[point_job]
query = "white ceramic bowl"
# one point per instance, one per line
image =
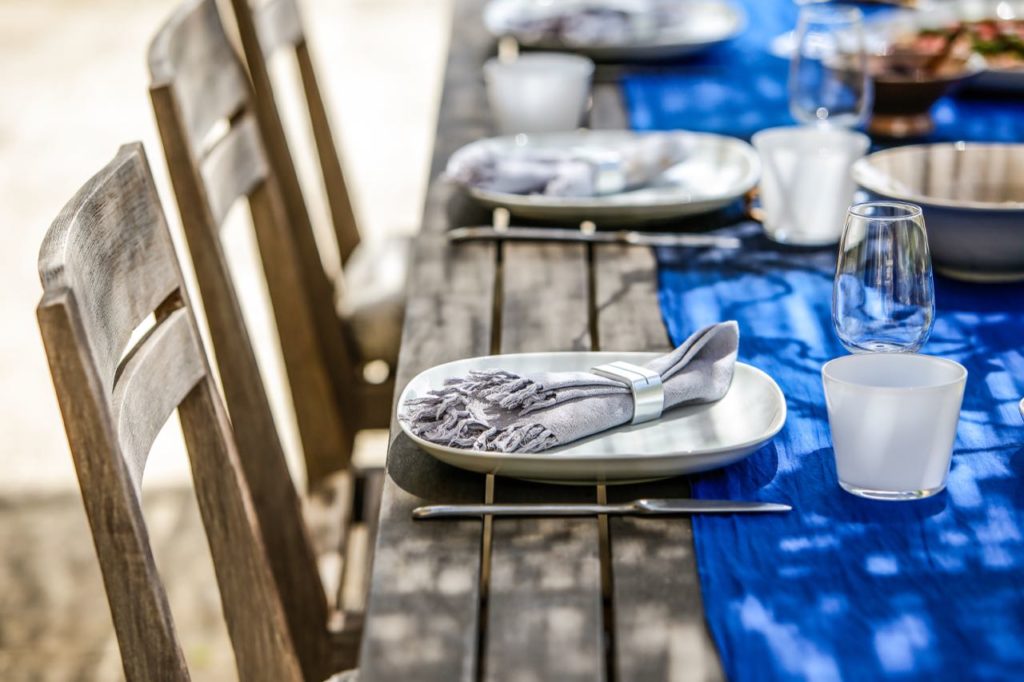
(973, 201)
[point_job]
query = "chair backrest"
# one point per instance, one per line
(267, 28)
(217, 156)
(107, 265)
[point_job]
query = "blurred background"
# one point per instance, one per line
(74, 85)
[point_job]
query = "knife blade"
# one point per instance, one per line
(643, 507)
(559, 234)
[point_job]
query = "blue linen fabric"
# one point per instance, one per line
(740, 88)
(844, 588)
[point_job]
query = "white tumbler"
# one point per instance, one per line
(893, 418)
(538, 92)
(806, 185)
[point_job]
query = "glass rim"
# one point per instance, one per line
(825, 12)
(940, 386)
(910, 211)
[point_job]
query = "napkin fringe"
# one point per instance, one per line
(443, 416)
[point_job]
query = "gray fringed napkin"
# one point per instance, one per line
(585, 171)
(499, 411)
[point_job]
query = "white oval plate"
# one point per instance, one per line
(717, 171)
(707, 23)
(684, 441)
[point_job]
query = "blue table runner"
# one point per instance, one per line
(844, 588)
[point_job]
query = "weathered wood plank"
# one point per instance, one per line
(423, 606)
(544, 601)
(423, 602)
(659, 617)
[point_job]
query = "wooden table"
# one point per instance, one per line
(523, 599)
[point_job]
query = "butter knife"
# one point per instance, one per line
(646, 507)
(557, 234)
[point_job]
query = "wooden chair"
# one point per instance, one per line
(107, 266)
(368, 295)
(216, 158)
(215, 154)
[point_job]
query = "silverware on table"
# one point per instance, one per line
(559, 234)
(646, 507)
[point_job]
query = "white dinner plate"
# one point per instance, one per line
(707, 23)
(685, 440)
(717, 171)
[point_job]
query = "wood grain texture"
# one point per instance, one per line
(660, 633)
(233, 167)
(339, 352)
(152, 381)
(544, 600)
(422, 612)
(278, 25)
(119, 209)
(210, 81)
(326, 438)
(323, 438)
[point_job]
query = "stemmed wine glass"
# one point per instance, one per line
(883, 297)
(829, 83)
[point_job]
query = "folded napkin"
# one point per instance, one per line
(570, 172)
(500, 411)
(590, 22)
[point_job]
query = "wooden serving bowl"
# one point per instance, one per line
(906, 88)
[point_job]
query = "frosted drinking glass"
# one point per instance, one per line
(893, 418)
(538, 92)
(806, 185)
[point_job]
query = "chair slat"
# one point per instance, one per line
(119, 276)
(150, 385)
(211, 83)
(278, 25)
(233, 167)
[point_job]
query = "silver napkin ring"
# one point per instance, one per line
(645, 385)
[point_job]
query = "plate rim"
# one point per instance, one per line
(778, 422)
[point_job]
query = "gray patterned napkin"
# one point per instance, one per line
(499, 411)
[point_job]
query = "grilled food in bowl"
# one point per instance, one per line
(973, 201)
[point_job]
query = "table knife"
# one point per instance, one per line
(647, 507)
(558, 234)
